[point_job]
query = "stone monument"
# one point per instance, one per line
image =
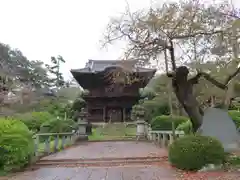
(217, 123)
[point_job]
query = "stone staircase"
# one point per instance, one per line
(118, 130)
(96, 162)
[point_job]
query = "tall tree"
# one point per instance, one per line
(54, 69)
(202, 31)
(19, 80)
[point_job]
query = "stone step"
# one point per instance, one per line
(98, 162)
(103, 159)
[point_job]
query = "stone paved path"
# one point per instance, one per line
(92, 150)
(148, 172)
(110, 149)
(107, 173)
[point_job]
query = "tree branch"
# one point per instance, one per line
(196, 34)
(213, 81)
(230, 77)
(195, 79)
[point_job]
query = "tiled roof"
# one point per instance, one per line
(100, 65)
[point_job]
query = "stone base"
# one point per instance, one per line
(141, 137)
(82, 138)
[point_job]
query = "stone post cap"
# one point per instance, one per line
(81, 122)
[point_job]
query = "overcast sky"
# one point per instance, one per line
(71, 28)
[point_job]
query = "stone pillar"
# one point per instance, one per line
(140, 129)
(82, 128)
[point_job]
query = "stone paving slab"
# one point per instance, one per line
(109, 149)
(107, 173)
(147, 172)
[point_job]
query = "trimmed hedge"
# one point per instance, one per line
(17, 145)
(165, 124)
(194, 152)
(186, 127)
(153, 109)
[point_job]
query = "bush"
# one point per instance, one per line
(235, 115)
(34, 120)
(153, 108)
(186, 127)
(194, 152)
(165, 123)
(58, 126)
(16, 143)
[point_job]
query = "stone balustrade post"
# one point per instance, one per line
(149, 133)
(159, 138)
(171, 139)
(154, 136)
(163, 144)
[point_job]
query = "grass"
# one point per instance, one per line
(112, 132)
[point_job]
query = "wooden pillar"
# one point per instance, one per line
(104, 114)
(124, 114)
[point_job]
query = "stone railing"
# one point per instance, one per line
(47, 143)
(163, 138)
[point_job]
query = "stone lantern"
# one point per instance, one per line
(83, 115)
(140, 113)
(82, 123)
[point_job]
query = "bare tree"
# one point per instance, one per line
(203, 32)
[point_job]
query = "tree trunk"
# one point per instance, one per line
(183, 88)
(192, 109)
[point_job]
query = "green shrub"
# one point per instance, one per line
(153, 108)
(165, 123)
(58, 126)
(186, 127)
(235, 115)
(233, 160)
(194, 152)
(16, 143)
(34, 120)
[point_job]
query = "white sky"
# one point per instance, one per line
(71, 28)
